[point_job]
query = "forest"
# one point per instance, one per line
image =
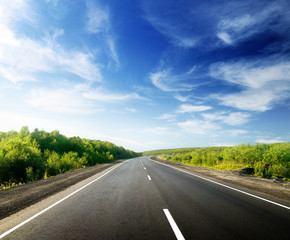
(27, 156)
(264, 160)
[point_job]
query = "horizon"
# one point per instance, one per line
(147, 74)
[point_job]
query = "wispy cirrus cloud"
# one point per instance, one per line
(189, 24)
(157, 130)
(269, 141)
(236, 132)
(196, 126)
(76, 99)
(252, 73)
(266, 82)
(99, 22)
(182, 98)
(173, 32)
(42, 55)
(209, 123)
(251, 18)
(167, 81)
(38, 57)
(258, 100)
(168, 20)
(187, 108)
(60, 101)
(98, 94)
(98, 18)
(168, 117)
(232, 119)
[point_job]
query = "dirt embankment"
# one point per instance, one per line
(270, 187)
(17, 198)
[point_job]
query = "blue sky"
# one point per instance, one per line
(147, 74)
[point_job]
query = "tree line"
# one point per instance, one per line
(265, 160)
(26, 156)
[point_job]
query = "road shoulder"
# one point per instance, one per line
(267, 187)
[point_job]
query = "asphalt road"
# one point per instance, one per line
(142, 199)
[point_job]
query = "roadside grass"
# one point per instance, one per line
(266, 160)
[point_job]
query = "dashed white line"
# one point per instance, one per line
(145, 168)
(173, 225)
(149, 177)
(53, 205)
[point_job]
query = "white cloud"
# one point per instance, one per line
(194, 23)
(82, 65)
(113, 52)
(158, 79)
(60, 101)
(157, 130)
(22, 58)
(76, 98)
(99, 23)
(168, 117)
(98, 18)
(186, 108)
(236, 132)
(256, 100)
(133, 110)
(224, 37)
(198, 126)
(252, 19)
(235, 28)
(168, 82)
(268, 141)
(99, 94)
(175, 33)
(254, 74)
(266, 82)
(232, 119)
(38, 57)
(182, 98)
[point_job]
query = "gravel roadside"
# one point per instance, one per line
(17, 198)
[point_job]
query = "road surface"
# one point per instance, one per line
(143, 199)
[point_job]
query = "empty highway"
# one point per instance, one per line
(143, 199)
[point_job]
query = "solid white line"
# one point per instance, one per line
(149, 177)
(53, 205)
(173, 225)
(226, 186)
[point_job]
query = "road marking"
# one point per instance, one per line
(226, 186)
(149, 177)
(145, 168)
(53, 205)
(173, 225)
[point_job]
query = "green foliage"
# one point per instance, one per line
(26, 156)
(18, 153)
(267, 160)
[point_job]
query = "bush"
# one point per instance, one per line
(28, 156)
(267, 160)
